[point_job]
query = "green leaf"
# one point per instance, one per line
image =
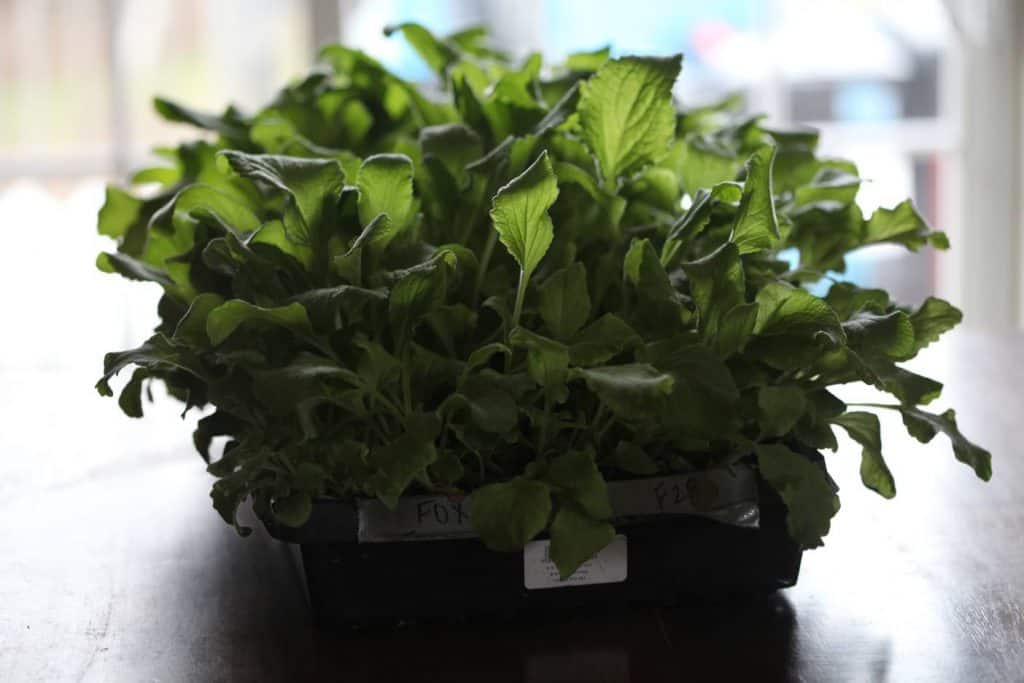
(283, 389)
(613, 204)
(515, 88)
(562, 111)
(333, 307)
(483, 355)
(133, 269)
(574, 476)
(435, 53)
(547, 360)
(131, 396)
(385, 187)
(398, 463)
(756, 227)
(790, 310)
(229, 125)
(824, 234)
(698, 216)
(847, 299)
(902, 224)
(119, 212)
(158, 353)
(294, 509)
(520, 214)
(923, 426)
(588, 62)
(202, 202)
(717, 285)
(223, 320)
(191, 328)
(418, 292)
(642, 268)
(627, 115)
(218, 423)
(564, 301)
(932, 319)
(313, 184)
(863, 428)
(575, 538)
(448, 468)
(602, 340)
(259, 273)
(452, 324)
(814, 429)
(701, 165)
(780, 407)
(697, 366)
(455, 146)
(163, 176)
(910, 388)
(633, 391)
(471, 111)
(474, 40)
(273, 233)
(376, 365)
(656, 310)
(491, 408)
(835, 181)
(735, 329)
(227, 495)
(657, 186)
(633, 459)
(805, 490)
(369, 244)
(891, 334)
(509, 514)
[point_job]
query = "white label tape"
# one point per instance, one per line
(725, 495)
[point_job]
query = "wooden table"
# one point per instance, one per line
(113, 567)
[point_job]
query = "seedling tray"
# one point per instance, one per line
(670, 558)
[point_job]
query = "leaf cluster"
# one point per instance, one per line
(519, 286)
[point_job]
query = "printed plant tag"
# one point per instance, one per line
(608, 566)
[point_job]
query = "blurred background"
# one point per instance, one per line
(925, 95)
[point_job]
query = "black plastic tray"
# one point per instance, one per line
(670, 559)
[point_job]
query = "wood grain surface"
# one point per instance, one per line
(114, 567)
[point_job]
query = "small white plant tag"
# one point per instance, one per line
(608, 566)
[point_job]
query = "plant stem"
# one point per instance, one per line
(516, 313)
(485, 261)
(524, 278)
(406, 382)
(465, 233)
(544, 423)
(890, 406)
(474, 216)
(598, 416)
(483, 466)
(322, 347)
(443, 440)
(386, 402)
(600, 435)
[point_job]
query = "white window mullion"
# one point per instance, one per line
(324, 23)
(118, 91)
(989, 250)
